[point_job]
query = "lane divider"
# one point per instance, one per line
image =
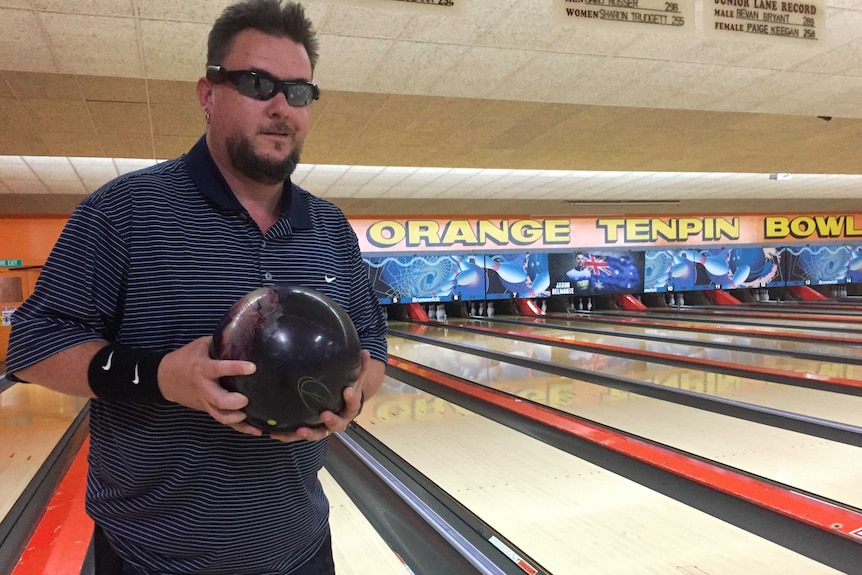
(59, 544)
(802, 507)
(668, 358)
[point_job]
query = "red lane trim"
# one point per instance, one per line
(655, 355)
(772, 315)
(723, 329)
(820, 514)
(59, 544)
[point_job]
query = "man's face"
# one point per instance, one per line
(580, 260)
(260, 139)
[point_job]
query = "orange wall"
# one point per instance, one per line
(29, 239)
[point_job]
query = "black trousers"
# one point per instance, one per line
(107, 562)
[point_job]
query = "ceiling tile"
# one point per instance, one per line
(14, 118)
(170, 92)
(104, 89)
(335, 72)
(59, 116)
(527, 25)
(364, 22)
(16, 168)
(480, 72)
(50, 168)
(29, 85)
(12, 143)
(397, 71)
(19, 29)
(91, 7)
(27, 187)
(73, 36)
(123, 146)
(72, 143)
(66, 187)
(125, 166)
(128, 118)
(168, 147)
(5, 90)
(201, 12)
(459, 30)
(174, 50)
(177, 120)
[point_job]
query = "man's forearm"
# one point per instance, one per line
(65, 371)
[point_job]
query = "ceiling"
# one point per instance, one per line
(513, 111)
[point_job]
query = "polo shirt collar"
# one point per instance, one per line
(205, 174)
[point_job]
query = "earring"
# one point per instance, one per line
(207, 115)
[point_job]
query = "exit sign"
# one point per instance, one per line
(11, 263)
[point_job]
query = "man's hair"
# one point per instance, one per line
(266, 16)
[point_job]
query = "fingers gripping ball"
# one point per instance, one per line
(306, 350)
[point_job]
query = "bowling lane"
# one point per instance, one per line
(835, 324)
(356, 547)
(740, 338)
(569, 515)
(687, 322)
(830, 406)
(824, 467)
(32, 421)
(740, 357)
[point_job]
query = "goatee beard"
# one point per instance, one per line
(257, 168)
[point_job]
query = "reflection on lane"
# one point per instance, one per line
(813, 403)
(32, 421)
(740, 338)
(569, 515)
(813, 464)
(740, 357)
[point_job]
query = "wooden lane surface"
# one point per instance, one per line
(824, 467)
(32, 421)
(356, 546)
(567, 514)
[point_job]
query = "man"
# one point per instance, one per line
(142, 274)
(580, 276)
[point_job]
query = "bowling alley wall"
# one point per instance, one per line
(450, 259)
(439, 260)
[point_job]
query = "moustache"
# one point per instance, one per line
(279, 129)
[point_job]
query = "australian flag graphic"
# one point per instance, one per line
(615, 272)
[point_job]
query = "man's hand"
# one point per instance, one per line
(366, 382)
(189, 376)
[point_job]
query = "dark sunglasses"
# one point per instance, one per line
(262, 86)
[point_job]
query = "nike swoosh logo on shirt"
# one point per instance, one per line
(107, 366)
(329, 279)
(136, 381)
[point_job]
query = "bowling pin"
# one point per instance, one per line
(490, 309)
(482, 307)
(580, 304)
(589, 304)
(680, 300)
(472, 308)
(672, 300)
(544, 306)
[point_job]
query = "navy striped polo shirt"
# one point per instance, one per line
(153, 259)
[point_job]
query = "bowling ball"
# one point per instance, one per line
(306, 350)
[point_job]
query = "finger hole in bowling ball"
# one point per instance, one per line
(306, 350)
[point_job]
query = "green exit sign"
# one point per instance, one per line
(11, 263)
